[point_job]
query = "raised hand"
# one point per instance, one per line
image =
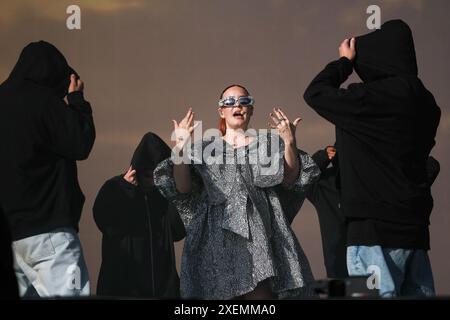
(184, 129)
(286, 129)
(75, 84)
(347, 49)
(130, 176)
(331, 152)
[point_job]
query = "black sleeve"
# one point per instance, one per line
(321, 159)
(70, 128)
(114, 210)
(176, 224)
(335, 104)
(433, 169)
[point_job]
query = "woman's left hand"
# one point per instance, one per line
(286, 129)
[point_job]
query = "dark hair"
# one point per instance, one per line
(222, 124)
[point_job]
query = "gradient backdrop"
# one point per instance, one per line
(145, 62)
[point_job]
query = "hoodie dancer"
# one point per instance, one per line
(139, 228)
(325, 197)
(42, 137)
(385, 130)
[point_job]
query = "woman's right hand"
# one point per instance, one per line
(183, 129)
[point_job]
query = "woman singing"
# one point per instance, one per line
(234, 198)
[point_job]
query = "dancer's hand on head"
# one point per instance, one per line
(75, 84)
(347, 49)
(130, 176)
(331, 152)
(184, 129)
(286, 129)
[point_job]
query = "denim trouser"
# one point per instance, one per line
(399, 272)
(50, 265)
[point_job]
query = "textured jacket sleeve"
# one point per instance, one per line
(292, 197)
(185, 203)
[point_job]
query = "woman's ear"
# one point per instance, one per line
(221, 113)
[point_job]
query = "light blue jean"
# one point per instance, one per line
(394, 272)
(51, 265)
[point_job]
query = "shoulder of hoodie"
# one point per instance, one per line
(49, 100)
(116, 183)
(406, 92)
(35, 101)
(395, 85)
(40, 96)
(43, 99)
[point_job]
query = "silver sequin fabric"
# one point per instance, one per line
(237, 231)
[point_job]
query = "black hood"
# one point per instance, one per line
(43, 64)
(386, 52)
(150, 151)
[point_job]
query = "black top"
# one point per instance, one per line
(324, 195)
(8, 289)
(41, 138)
(385, 128)
(139, 228)
(371, 232)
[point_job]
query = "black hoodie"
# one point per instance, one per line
(8, 289)
(139, 228)
(385, 127)
(42, 137)
(324, 196)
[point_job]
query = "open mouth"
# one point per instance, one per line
(239, 114)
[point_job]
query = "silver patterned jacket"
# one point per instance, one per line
(237, 218)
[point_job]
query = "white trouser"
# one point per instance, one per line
(51, 265)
